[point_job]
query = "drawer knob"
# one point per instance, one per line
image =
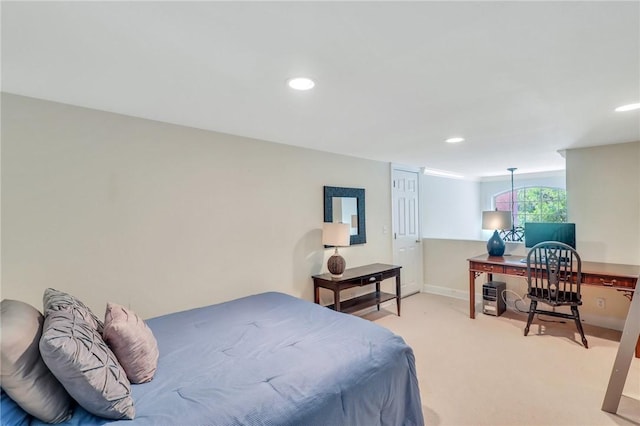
(372, 279)
(608, 283)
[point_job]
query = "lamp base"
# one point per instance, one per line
(495, 245)
(336, 265)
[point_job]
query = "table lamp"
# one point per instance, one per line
(495, 220)
(336, 235)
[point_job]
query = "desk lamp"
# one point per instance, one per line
(336, 235)
(496, 220)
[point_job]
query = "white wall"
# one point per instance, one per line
(603, 187)
(161, 217)
(450, 208)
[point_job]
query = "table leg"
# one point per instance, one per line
(472, 294)
(316, 296)
(378, 294)
(336, 298)
(398, 295)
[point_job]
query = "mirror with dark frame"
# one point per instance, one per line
(346, 205)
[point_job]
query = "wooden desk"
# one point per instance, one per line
(611, 275)
(358, 277)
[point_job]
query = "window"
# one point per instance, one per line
(534, 204)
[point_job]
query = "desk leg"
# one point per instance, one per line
(472, 294)
(378, 294)
(316, 295)
(336, 299)
(398, 295)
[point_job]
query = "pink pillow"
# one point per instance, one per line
(132, 341)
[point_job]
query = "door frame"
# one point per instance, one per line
(419, 170)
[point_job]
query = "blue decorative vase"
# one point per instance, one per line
(495, 245)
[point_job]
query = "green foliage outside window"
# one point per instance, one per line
(534, 204)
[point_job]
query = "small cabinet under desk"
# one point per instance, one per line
(361, 276)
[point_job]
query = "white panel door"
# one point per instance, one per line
(407, 245)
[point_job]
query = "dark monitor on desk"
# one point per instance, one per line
(537, 232)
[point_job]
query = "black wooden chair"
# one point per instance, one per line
(553, 277)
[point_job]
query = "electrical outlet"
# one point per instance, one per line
(600, 302)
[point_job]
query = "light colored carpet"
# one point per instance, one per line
(486, 372)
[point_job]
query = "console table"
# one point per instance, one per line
(358, 277)
(612, 275)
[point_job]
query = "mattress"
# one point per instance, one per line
(272, 359)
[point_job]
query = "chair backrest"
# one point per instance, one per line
(554, 273)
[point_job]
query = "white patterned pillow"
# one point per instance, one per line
(75, 353)
(55, 300)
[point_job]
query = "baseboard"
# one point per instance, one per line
(449, 292)
(602, 321)
(597, 320)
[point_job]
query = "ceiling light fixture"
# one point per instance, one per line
(629, 107)
(301, 83)
(454, 140)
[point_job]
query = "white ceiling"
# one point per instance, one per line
(518, 80)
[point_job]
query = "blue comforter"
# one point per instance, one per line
(272, 359)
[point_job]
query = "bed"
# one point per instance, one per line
(272, 359)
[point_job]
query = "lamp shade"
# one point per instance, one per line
(494, 219)
(336, 234)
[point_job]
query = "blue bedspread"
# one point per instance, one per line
(272, 359)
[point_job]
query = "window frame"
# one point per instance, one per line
(532, 211)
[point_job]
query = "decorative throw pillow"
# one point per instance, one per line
(76, 354)
(55, 300)
(24, 376)
(132, 342)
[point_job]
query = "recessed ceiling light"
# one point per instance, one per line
(301, 83)
(454, 140)
(629, 107)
